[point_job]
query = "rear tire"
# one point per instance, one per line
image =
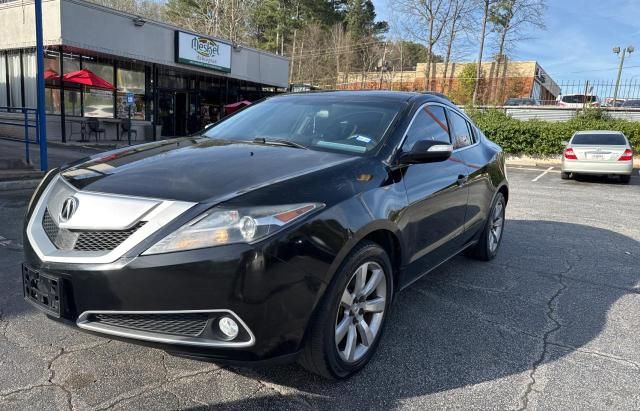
(565, 176)
(491, 237)
(353, 310)
(624, 179)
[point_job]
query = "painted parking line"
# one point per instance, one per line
(542, 174)
(530, 169)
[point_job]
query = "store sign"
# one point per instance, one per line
(203, 52)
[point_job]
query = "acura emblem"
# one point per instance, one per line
(69, 207)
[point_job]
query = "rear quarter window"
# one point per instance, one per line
(599, 139)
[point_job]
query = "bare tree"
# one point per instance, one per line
(425, 20)
(458, 22)
(508, 19)
(486, 5)
(221, 18)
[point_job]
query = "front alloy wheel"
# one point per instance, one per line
(350, 319)
(360, 312)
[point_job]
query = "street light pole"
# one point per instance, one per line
(616, 50)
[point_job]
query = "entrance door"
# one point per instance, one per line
(166, 104)
(181, 113)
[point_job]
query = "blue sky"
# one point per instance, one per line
(578, 40)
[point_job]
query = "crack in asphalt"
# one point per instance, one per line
(274, 387)
(551, 315)
(156, 386)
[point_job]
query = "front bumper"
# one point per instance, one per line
(271, 299)
(597, 167)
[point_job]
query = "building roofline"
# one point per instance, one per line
(166, 25)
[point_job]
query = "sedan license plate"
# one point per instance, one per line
(42, 290)
(595, 156)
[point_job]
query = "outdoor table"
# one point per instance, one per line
(113, 121)
(83, 127)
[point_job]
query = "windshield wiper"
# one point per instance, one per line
(278, 142)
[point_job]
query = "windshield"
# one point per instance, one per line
(316, 122)
(599, 139)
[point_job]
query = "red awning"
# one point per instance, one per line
(51, 75)
(88, 78)
(230, 108)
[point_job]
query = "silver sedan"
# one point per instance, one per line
(598, 152)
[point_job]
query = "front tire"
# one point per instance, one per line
(350, 320)
(491, 237)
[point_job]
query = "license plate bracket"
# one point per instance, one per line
(42, 290)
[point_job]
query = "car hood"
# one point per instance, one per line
(195, 169)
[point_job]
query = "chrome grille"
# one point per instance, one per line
(103, 240)
(188, 324)
(85, 240)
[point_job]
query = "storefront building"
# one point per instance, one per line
(178, 81)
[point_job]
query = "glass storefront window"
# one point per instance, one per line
(15, 86)
(29, 68)
(131, 81)
(72, 106)
(52, 84)
(98, 102)
(3, 81)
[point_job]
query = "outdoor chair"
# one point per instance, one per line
(125, 125)
(94, 128)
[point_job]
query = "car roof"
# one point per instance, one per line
(386, 95)
(598, 132)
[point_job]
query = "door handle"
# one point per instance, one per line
(462, 179)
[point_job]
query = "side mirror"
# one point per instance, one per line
(427, 151)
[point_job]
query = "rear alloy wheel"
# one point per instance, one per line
(565, 176)
(351, 317)
(491, 237)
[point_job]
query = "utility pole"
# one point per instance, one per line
(41, 119)
(616, 50)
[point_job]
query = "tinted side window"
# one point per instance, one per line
(429, 124)
(461, 134)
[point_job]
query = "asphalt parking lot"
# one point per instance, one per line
(551, 323)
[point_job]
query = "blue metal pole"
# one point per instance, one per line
(26, 134)
(41, 120)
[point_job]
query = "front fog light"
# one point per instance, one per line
(228, 327)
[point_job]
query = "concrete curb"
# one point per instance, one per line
(19, 184)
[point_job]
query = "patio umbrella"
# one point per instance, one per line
(51, 75)
(88, 78)
(233, 107)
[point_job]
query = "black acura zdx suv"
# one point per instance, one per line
(281, 232)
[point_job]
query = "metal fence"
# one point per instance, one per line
(601, 92)
(24, 118)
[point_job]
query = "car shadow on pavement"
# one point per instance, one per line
(596, 179)
(548, 294)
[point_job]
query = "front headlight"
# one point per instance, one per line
(221, 225)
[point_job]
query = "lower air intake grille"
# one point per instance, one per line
(103, 240)
(50, 227)
(188, 324)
